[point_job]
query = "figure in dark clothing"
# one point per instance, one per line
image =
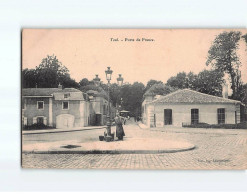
(119, 127)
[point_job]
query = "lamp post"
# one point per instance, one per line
(120, 80)
(108, 74)
(96, 80)
(120, 83)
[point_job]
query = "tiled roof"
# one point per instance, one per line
(71, 96)
(190, 96)
(45, 91)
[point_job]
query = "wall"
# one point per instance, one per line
(181, 113)
(31, 109)
(74, 109)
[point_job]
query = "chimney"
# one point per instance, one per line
(60, 86)
(225, 91)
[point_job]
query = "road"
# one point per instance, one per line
(215, 149)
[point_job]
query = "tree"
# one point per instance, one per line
(132, 97)
(179, 81)
(151, 82)
(29, 78)
(84, 82)
(223, 57)
(209, 82)
(245, 38)
(48, 74)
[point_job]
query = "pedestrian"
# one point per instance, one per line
(119, 127)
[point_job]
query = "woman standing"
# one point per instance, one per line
(119, 127)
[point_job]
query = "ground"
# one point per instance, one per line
(215, 149)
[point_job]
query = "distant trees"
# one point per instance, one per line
(151, 82)
(209, 82)
(206, 81)
(132, 96)
(179, 81)
(84, 82)
(48, 74)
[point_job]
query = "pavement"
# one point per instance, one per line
(220, 149)
(134, 143)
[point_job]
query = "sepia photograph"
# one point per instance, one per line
(140, 99)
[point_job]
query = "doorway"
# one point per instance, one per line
(168, 116)
(40, 120)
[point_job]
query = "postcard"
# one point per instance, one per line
(134, 99)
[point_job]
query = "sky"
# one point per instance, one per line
(158, 55)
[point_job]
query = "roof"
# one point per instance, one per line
(97, 93)
(190, 96)
(71, 96)
(45, 91)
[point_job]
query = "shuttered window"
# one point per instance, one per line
(221, 115)
(194, 116)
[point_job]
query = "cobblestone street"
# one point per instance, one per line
(215, 149)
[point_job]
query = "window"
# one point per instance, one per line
(221, 115)
(194, 116)
(66, 95)
(65, 105)
(104, 109)
(40, 105)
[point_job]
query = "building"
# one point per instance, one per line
(189, 107)
(99, 104)
(55, 107)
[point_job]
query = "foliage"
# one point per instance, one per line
(29, 78)
(48, 74)
(179, 81)
(242, 125)
(209, 82)
(132, 98)
(36, 126)
(206, 81)
(151, 82)
(84, 82)
(223, 57)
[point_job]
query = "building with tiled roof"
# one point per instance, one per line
(55, 107)
(186, 106)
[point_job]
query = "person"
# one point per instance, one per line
(119, 127)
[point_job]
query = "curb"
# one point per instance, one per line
(111, 151)
(65, 131)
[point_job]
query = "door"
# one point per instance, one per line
(65, 121)
(40, 120)
(168, 116)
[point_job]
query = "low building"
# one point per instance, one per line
(55, 107)
(99, 104)
(189, 107)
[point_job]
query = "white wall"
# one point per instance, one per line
(181, 113)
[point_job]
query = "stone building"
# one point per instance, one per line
(189, 107)
(55, 107)
(99, 104)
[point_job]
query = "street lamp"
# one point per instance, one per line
(96, 80)
(108, 74)
(120, 83)
(120, 80)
